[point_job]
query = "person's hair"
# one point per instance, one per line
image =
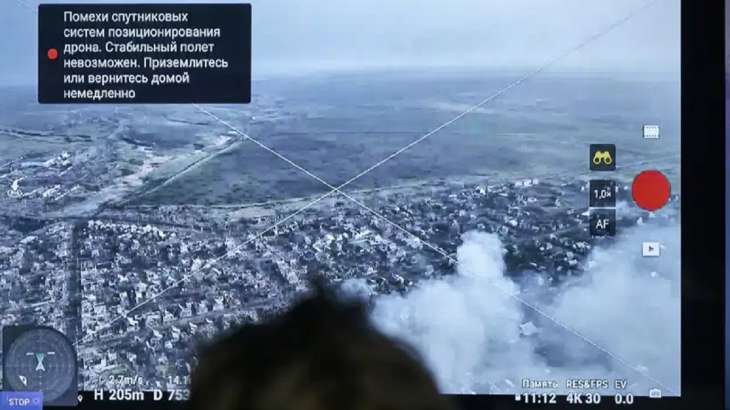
(323, 354)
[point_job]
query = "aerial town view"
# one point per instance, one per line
(462, 221)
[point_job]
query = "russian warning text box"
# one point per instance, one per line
(144, 53)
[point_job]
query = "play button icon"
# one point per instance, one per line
(650, 249)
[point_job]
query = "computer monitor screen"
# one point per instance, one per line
(499, 181)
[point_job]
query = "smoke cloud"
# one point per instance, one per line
(476, 335)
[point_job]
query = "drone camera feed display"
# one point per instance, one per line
(497, 181)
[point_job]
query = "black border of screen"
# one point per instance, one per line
(703, 230)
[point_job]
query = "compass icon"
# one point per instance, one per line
(40, 359)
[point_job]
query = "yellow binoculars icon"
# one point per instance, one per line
(602, 157)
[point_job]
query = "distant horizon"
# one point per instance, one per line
(345, 70)
(329, 35)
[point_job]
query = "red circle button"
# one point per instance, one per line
(651, 190)
(52, 54)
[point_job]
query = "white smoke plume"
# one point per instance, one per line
(467, 327)
(630, 305)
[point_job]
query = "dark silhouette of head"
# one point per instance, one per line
(323, 354)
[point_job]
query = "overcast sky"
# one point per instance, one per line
(504, 34)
